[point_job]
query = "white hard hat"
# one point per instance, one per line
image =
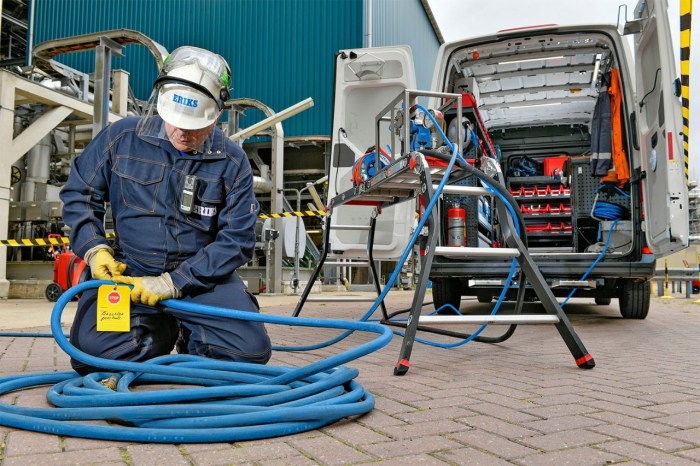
(192, 88)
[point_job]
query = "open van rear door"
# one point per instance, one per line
(664, 186)
(366, 81)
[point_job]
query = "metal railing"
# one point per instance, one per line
(672, 280)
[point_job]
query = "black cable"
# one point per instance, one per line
(520, 297)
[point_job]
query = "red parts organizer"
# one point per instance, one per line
(545, 204)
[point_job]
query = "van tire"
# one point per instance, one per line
(603, 301)
(484, 298)
(446, 291)
(634, 298)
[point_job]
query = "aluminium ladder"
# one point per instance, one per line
(400, 183)
(410, 177)
(554, 314)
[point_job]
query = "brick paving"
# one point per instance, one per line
(521, 402)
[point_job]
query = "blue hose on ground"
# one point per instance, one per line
(231, 401)
(228, 401)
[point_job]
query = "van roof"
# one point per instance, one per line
(544, 76)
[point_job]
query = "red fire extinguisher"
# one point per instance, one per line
(456, 226)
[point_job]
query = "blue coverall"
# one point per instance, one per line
(142, 178)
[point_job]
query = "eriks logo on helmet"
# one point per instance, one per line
(178, 99)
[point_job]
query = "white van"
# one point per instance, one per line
(589, 143)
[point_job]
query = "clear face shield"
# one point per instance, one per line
(187, 100)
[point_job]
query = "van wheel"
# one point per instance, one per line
(53, 292)
(634, 298)
(484, 298)
(603, 301)
(446, 291)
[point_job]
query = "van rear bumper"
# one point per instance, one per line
(552, 270)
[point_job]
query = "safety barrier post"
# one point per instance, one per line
(666, 295)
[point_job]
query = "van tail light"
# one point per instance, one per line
(646, 250)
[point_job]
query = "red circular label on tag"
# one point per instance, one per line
(114, 297)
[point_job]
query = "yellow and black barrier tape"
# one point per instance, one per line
(53, 241)
(686, 7)
(63, 240)
(303, 213)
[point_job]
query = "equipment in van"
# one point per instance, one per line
(528, 92)
(525, 166)
(560, 104)
(411, 175)
(608, 157)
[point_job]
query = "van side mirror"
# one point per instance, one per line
(677, 87)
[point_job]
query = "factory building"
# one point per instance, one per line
(281, 52)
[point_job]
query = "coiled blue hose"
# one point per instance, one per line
(608, 211)
(231, 401)
(223, 402)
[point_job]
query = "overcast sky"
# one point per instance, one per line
(464, 18)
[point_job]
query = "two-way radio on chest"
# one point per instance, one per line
(187, 195)
(189, 189)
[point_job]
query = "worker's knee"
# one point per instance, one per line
(259, 354)
(150, 336)
(249, 343)
(224, 338)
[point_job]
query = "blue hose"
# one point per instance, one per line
(230, 402)
(592, 266)
(414, 237)
(222, 402)
(608, 211)
(604, 211)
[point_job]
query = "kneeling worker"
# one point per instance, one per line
(184, 214)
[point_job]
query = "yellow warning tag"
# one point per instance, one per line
(113, 308)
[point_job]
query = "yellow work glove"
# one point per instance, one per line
(103, 265)
(150, 290)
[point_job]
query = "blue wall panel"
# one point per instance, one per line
(280, 51)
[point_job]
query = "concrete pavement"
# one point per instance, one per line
(521, 402)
